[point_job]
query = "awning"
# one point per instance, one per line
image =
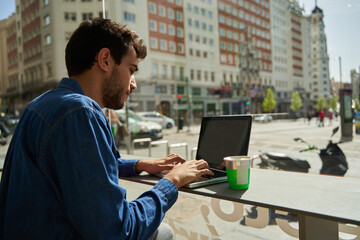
(226, 89)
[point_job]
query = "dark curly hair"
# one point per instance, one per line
(93, 35)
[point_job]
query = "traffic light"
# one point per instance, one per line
(248, 102)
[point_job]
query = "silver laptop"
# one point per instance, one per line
(219, 137)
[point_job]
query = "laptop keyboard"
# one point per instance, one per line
(217, 173)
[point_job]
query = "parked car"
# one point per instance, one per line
(164, 121)
(263, 118)
(140, 128)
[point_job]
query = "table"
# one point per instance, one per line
(320, 201)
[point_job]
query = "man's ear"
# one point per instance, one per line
(103, 59)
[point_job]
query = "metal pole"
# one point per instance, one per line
(103, 8)
(340, 70)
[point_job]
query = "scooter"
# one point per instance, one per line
(334, 163)
(332, 157)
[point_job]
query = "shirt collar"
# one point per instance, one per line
(71, 84)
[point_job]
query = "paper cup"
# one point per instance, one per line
(238, 171)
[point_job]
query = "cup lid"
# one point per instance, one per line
(237, 158)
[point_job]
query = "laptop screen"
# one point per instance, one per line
(223, 136)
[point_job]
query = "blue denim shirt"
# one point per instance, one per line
(60, 177)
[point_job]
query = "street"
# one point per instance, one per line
(276, 136)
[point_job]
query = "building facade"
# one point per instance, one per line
(205, 57)
(319, 57)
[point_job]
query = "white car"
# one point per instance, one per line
(263, 118)
(140, 128)
(164, 121)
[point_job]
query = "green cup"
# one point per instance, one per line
(238, 171)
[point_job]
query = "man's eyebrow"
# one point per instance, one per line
(135, 66)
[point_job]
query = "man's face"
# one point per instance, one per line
(117, 88)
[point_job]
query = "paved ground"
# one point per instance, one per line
(192, 217)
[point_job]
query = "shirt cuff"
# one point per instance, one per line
(127, 167)
(169, 189)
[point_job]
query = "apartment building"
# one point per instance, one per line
(279, 39)
(319, 57)
(217, 55)
(355, 83)
(8, 56)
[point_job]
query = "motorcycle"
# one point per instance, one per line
(332, 157)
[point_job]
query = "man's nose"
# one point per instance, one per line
(133, 85)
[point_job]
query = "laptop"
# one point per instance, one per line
(221, 136)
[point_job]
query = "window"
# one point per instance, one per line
(180, 32)
(153, 25)
(46, 2)
(192, 74)
(203, 12)
(162, 11)
(171, 13)
(172, 46)
(86, 16)
(196, 91)
(130, 17)
(47, 20)
(47, 39)
(196, 10)
(191, 51)
(181, 48)
(203, 26)
(153, 43)
(70, 16)
(154, 69)
(163, 71)
(171, 30)
(173, 72)
(152, 8)
(130, 1)
(163, 45)
(162, 28)
(196, 24)
(179, 16)
(198, 75)
(211, 28)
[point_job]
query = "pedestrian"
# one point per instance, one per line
(309, 116)
(60, 176)
(321, 118)
(330, 116)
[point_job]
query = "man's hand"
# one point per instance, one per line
(186, 172)
(158, 165)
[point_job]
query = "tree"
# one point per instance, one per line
(321, 104)
(356, 104)
(296, 102)
(333, 103)
(269, 102)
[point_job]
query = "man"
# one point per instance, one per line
(60, 177)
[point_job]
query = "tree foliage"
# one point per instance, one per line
(296, 102)
(269, 102)
(321, 104)
(356, 104)
(333, 103)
